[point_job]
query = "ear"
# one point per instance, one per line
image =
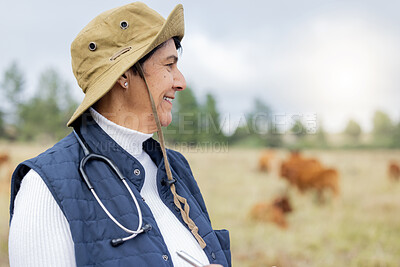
(123, 81)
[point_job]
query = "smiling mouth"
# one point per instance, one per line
(168, 99)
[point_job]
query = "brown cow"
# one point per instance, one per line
(4, 158)
(394, 171)
(302, 173)
(5, 176)
(272, 211)
(326, 179)
(297, 166)
(265, 160)
(309, 174)
(283, 203)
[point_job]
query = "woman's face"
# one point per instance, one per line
(163, 78)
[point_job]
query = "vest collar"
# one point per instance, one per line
(101, 143)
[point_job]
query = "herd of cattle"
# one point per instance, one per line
(304, 174)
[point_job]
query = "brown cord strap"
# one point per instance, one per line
(178, 200)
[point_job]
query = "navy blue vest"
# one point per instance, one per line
(91, 228)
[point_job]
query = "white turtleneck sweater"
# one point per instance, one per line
(40, 233)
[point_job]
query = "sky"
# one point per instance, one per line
(338, 59)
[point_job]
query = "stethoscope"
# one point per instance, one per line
(90, 156)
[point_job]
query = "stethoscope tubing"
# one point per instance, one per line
(88, 156)
(129, 231)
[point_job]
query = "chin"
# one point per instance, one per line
(165, 119)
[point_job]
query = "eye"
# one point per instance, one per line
(170, 66)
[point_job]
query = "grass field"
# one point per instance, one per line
(359, 228)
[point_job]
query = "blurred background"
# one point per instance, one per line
(291, 118)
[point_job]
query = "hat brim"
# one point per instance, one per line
(173, 26)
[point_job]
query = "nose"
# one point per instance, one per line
(179, 81)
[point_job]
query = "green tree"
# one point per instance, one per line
(13, 84)
(263, 124)
(298, 129)
(396, 136)
(353, 131)
(210, 121)
(2, 126)
(260, 117)
(47, 113)
(242, 133)
(383, 129)
(185, 121)
(258, 128)
(12, 89)
(382, 123)
(252, 125)
(320, 137)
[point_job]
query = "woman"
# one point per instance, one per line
(125, 61)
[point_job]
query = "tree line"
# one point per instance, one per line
(43, 116)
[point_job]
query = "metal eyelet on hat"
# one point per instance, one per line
(92, 46)
(124, 25)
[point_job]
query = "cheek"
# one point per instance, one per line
(160, 82)
(163, 85)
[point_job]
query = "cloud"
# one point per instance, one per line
(338, 66)
(220, 62)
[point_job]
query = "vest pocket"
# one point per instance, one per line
(223, 238)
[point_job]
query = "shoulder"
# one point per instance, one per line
(66, 150)
(180, 164)
(57, 167)
(177, 157)
(64, 155)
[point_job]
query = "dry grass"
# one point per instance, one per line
(360, 228)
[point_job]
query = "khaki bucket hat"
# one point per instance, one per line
(113, 42)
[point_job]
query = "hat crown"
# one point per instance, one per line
(109, 38)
